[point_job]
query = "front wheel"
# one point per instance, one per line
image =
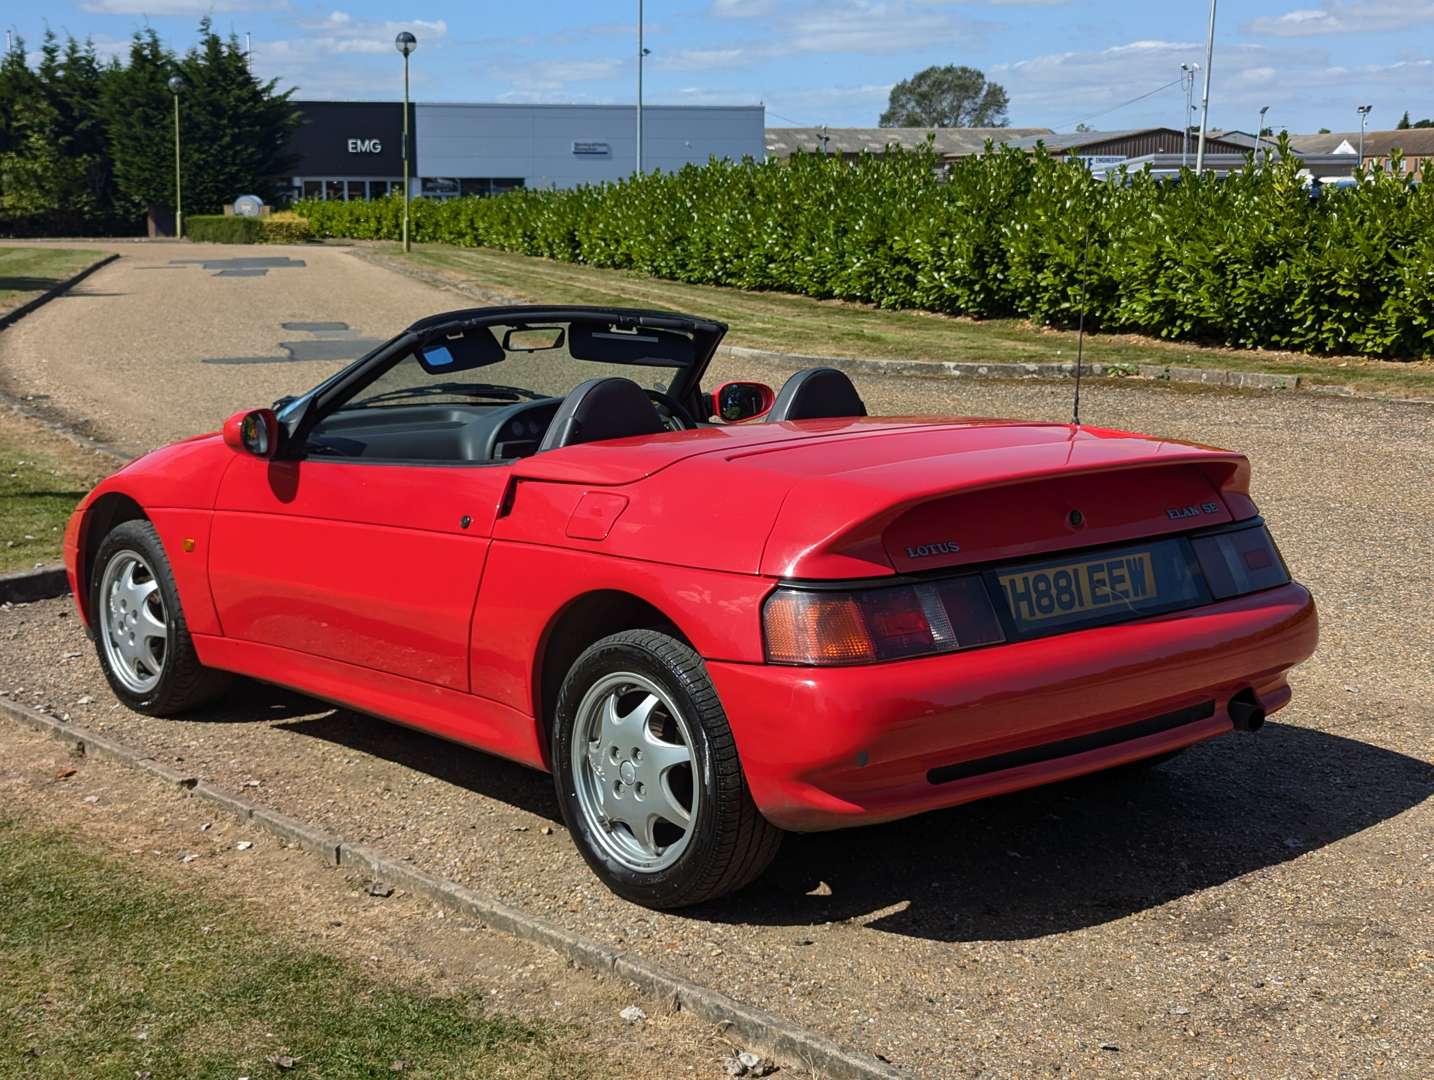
(648, 776)
(140, 634)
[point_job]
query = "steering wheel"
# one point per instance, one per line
(675, 416)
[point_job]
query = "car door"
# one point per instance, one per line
(373, 564)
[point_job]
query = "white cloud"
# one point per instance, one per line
(742, 9)
(178, 7)
(1360, 16)
(1300, 83)
(703, 59)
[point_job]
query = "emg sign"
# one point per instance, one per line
(365, 146)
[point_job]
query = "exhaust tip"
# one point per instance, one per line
(1246, 712)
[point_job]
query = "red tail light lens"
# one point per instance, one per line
(1244, 561)
(891, 623)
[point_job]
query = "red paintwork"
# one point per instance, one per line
(428, 593)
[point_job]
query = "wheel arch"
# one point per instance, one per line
(580, 622)
(101, 516)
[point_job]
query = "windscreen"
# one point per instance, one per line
(520, 361)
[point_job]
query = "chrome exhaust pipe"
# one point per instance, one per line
(1246, 712)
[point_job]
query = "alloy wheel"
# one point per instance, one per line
(635, 771)
(132, 625)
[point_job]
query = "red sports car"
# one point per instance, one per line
(713, 617)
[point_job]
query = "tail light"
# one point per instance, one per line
(889, 623)
(1244, 561)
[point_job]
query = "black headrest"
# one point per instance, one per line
(606, 408)
(816, 394)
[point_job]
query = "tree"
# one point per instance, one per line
(54, 167)
(139, 123)
(949, 96)
(1403, 124)
(234, 130)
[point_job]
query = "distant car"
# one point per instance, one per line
(713, 617)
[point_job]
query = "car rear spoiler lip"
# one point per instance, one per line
(854, 548)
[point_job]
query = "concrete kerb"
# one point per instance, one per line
(26, 586)
(53, 291)
(754, 1027)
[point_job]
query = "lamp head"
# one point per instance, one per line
(405, 42)
(176, 84)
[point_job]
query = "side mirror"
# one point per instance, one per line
(734, 402)
(254, 431)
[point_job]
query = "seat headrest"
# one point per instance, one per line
(816, 394)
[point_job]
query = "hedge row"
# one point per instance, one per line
(1252, 260)
(281, 228)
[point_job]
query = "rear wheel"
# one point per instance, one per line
(648, 776)
(140, 634)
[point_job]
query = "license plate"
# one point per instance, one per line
(1073, 591)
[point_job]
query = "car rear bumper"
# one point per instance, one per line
(828, 747)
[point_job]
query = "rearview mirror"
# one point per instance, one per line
(734, 402)
(528, 339)
(254, 431)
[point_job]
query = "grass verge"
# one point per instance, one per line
(798, 324)
(42, 477)
(25, 272)
(112, 976)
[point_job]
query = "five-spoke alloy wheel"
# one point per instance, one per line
(648, 776)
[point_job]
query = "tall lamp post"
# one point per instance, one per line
(1363, 120)
(641, 53)
(1205, 96)
(1260, 131)
(1187, 77)
(405, 43)
(176, 84)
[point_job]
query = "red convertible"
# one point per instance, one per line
(713, 617)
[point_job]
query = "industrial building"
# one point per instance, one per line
(354, 150)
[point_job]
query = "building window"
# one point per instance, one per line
(447, 187)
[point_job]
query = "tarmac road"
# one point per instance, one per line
(1262, 906)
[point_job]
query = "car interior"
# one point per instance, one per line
(430, 405)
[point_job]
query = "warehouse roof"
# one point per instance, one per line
(1415, 141)
(784, 142)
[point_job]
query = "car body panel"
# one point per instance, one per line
(365, 563)
(826, 747)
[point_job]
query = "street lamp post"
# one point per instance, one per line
(1363, 120)
(176, 84)
(1187, 77)
(1205, 96)
(1260, 131)
(405, 43)
(641, 53)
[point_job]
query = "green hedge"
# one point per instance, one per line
(1250, 261)
(284, 227)
(222, 229)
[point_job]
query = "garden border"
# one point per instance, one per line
(16, 314)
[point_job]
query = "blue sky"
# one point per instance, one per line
(828, 61)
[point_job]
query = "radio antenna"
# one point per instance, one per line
(1080, 328)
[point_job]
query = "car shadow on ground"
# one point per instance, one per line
(1037, 862)
(1091, 850)
(484, 774)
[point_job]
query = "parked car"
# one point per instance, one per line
(713, 616)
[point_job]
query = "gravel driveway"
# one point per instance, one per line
(1262, 906)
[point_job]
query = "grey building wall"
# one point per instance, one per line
(538, 143)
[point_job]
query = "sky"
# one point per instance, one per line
(1063, 62)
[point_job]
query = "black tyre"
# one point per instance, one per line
(648, 777)
(140, 633)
